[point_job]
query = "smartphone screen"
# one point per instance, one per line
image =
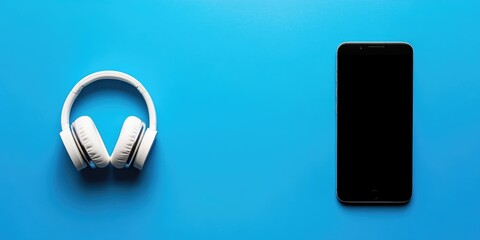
(374, 122)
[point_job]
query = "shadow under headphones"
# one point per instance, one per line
(84, 143)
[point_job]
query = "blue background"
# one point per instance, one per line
(245, 97)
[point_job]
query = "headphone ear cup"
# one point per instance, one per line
(128, 142)
(90, 141)
(73, 149)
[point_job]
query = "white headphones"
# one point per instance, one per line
(85, 145)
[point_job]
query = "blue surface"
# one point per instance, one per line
(245, 95)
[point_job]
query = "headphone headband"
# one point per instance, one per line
(113, 75)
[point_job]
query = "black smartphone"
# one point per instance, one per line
(374, 122)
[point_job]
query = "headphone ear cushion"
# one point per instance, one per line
(90, 140)
(128, 141)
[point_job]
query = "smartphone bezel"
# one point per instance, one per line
(366, 48)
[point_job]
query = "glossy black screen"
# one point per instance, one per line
(374, 122)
